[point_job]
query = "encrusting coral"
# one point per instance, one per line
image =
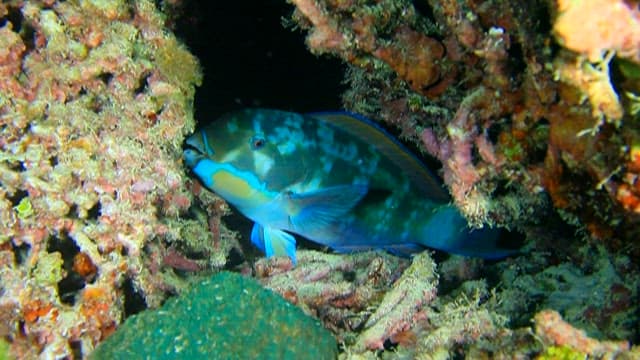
(95, 98)
(227, 316)
(531, 108)
(479, 86)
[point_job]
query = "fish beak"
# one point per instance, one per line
(200, 142)
(192, 157)
(197, 148)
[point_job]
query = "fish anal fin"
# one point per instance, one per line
(274, 242)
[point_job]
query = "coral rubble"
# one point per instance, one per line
(95, 98)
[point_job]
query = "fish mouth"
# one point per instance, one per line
(192, 156)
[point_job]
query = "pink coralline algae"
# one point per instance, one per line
(531, 109)
(95, 98)
(514, 121)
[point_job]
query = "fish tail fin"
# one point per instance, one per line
(447, 230)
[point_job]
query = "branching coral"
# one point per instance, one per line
(95, 98)
(553, 330)
(372, 300)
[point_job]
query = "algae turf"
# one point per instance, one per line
(225, 317)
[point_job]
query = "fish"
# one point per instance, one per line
(334, 178)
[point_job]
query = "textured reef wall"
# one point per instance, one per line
(95, 98)
(520, 101)
(531, 107)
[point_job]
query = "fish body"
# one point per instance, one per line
(334, 178)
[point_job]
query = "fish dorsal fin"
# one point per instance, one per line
(366, 130)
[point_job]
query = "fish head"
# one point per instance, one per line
(255, 146)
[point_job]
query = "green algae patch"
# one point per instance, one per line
(227, 316)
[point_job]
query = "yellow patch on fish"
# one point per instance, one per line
(236, 187)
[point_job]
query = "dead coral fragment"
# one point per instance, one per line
(554, 331)
(339, 289)
(401, 307)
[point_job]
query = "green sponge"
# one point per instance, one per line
(225, 317)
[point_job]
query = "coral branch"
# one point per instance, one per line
(553, 330)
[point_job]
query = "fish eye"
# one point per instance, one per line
(257, 142)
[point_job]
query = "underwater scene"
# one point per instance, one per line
(320, 179)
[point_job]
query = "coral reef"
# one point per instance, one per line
(337, 289)
(226, 316)
(95, 98)
(480, 86)
(531, 108)
(537, 283)
(370, 301)
(553, 330)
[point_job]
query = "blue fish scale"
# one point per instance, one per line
(334, 178)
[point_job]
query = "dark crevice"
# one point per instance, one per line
(539, 10)
(16, 197)
(475, 156)
(24, 29)
(105, 78)
(28, 35)
(539, 141)
(424, 9)
(15, 17)
(143, 85)
(516, 62)
(133, 300)
(495, 130)
(69, 286)
(21, 252)
(94, 212)
(273, 66)
(349, 276)
(76, 346)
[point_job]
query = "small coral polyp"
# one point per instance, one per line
(95, 97)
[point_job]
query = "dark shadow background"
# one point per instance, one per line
(250, 59)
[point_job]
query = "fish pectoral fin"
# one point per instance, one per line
(274, 242)
(322, 207)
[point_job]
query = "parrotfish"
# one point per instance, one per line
(336, 179)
